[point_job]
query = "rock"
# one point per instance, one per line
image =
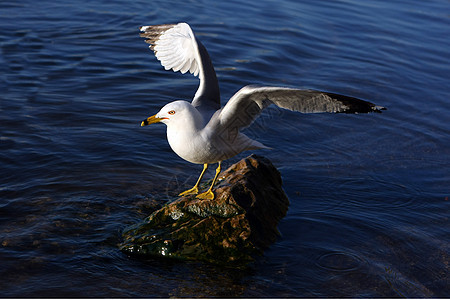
(240, 222)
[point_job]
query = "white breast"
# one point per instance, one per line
(191, 146)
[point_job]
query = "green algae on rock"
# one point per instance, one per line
(234, 227)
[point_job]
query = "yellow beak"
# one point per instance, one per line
(151, 120)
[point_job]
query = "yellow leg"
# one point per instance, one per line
(209, 194)
(194, 190)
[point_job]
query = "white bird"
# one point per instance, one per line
(203, 132)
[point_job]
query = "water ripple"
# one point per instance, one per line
(339, 261)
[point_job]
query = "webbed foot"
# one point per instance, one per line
(208, 195)
(193, 191)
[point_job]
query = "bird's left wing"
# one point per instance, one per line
(246, 105)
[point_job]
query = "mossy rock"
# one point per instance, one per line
(234, 227)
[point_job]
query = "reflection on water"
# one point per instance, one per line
(369, 193)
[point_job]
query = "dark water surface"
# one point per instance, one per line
(369, 212)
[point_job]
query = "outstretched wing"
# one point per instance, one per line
(246, 105)
(176, 47)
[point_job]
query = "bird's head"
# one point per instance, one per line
(179, 112)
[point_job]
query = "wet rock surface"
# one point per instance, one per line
(238, 224)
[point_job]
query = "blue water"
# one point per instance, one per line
(369, 207)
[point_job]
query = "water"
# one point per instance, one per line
(369, 193)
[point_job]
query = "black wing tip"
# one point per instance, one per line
(363, 108)
(152, 33)
(155, 29)
(355, 105)
(378, 109)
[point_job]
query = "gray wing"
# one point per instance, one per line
(246, 105)
(176, 47)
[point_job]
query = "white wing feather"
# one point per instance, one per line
(174, 46)
(177, 49)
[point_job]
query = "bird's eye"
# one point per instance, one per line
(172, 112)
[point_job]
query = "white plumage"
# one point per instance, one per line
(177, 49)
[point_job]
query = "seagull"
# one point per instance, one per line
(203, 132)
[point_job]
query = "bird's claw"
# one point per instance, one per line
(192, 191)
(208, 195)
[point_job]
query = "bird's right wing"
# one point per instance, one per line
(176, 47)
(246, 105)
